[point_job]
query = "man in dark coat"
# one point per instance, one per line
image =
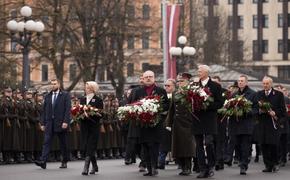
(205, 127)
(269, 123)
(241, 129)
(150, 136)
(54, 121)
(220, 138)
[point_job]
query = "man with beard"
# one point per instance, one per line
(54, 121)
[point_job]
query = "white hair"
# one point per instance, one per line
(205, 67)
(93, 86)
(268, 78)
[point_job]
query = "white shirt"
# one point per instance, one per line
(54, 96)
(204, 82)
(89, 97)
(269, 91)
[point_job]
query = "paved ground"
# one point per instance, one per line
(115, 169)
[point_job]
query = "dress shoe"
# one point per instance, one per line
(128, 162)
(41, 164)
(229, 163)
(243, 171)
(219, 167)
(267, 169)
(147, 174)
(154, 172)
(63, 165)
(161, 167)
(275, 169)
(142, 169)
(203, 174)
(282, 164)
(210, 172)
(185, 173)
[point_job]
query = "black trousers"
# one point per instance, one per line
(220, 143)
(89, 137)
(151, 150)
(185, 163)
(134, 148)
(283, 148)
(243, 144)
(270, 155)
(205, 156)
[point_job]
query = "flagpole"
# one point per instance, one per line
(165, 39)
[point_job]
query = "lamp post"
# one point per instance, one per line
(21, 32)
(184, 52)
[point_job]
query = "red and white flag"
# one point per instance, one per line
(173, 13)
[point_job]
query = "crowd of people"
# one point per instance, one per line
(197, 140)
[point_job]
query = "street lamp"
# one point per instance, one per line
(21, 32)
(184, 52)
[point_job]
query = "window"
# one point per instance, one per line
(215, 2)
(240, 50)
(44, 72)
(256, 1)
(145, 66)
(145, 40)
(146, 11)
(280, 20)
(265, 21)
(214, 24)
(13, 46)
(72, 72)
(264, 46)
(239, 1)
(131, 42)
(130, 69)
(131, 12)
(284, 72)
(262, 70)
(240, 22)
(281, 47)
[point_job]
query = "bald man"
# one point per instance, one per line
(150, 137)
(269, 123)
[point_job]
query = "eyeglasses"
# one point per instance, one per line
(167, 85)
(147, 77)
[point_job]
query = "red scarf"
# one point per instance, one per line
(149, 89)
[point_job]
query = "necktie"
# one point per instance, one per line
(267, 92)
(54, 97)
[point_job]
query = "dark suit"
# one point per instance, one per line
(150, 137)
(52, 118)
(268, 135)
(241, 131)
(205, 128)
